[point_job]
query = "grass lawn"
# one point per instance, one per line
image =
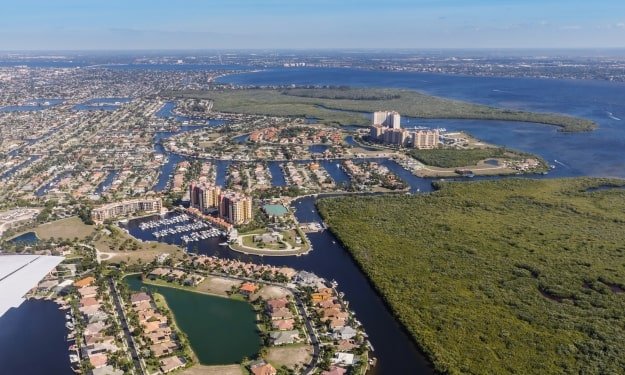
(491, 277)
(65, 228)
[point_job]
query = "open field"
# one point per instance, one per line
(290, 355)
(328, 105)
(145, 252)
(217, 285)
(508, 276)
(214, 370)
(69, 228)
(270, 292)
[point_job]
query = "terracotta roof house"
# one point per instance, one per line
(89, 301)
(98, 360)
(282, 313)
(87, 281)
(264, 369)
(248, 288)
(139, 297)
(283, 325)
(278, 303)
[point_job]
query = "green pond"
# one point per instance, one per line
(220, 330)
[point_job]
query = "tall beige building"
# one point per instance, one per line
(236, 208)
(204, 196)
(389, 119)
(425, 139)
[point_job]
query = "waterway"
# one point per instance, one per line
(102, 104)
(32, 105)
(33, 340)
(598, 153)
(220, 330)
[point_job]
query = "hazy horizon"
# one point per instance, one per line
(38, 25)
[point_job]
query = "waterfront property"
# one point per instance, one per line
(125, 208)
(220, 330)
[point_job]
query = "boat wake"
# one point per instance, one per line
(561, 163)
(611, 115)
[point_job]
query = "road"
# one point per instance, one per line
(129, 341)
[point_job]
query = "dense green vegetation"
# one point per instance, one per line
(329, 105)
(453, 158)
(511, 276)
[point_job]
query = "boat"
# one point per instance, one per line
(223, 244)
(73, 358)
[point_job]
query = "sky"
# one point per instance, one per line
(302, 24)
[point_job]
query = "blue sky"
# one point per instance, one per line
(221, 24)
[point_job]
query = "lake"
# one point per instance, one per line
(220, 330)
(28, 238)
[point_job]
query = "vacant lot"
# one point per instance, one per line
(69, 228)
(289, 356)
(214, 370)
(217, 285)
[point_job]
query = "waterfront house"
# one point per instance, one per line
(341, 358)
(137, 298)
(163, 348)
(345, 333)
(170, 364)
(346, 345)
(278, 303)
(98, 360)
(89, 301)
(284, 337)
(248, 288)
(282, 313)
(260, 367)
(283, 325)
(159, 273)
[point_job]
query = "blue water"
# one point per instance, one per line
(333, 167)
(166, 111)
(28, 238)
(318, 149)
(107, 182)
(102, 104)
(13, 170)
(28, 108)
(597, 153)
(32, 340)
(277, 174)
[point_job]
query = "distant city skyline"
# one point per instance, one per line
(271, 24)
